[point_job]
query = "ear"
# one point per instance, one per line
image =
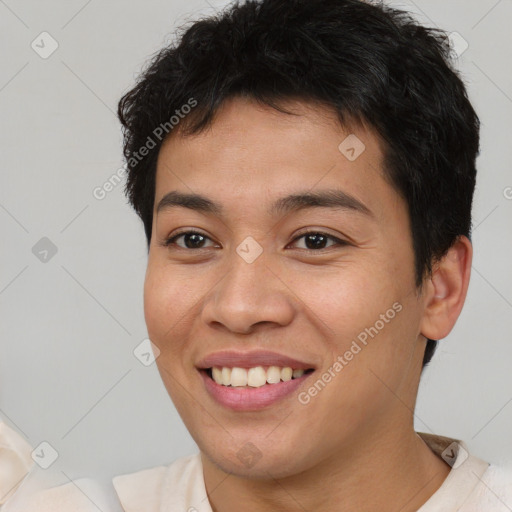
(445, 291)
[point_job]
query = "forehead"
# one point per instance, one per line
(254, 151)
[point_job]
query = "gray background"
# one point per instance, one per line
(69, 326)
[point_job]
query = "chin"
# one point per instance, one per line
(258, 460)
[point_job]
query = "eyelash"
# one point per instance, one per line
(171, 240)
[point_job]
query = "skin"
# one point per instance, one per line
(353, 446)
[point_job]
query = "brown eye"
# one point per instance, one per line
(191, 240)
(316, 240)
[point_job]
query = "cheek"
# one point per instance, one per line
(171, 300)
(163, 311)
(368, 317)
(163, 302)
(154, 302)
(349, 300)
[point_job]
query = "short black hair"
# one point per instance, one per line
(367, 62)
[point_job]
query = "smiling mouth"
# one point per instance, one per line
(254, 377)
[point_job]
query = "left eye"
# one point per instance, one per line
(313, 240)
(316, 240)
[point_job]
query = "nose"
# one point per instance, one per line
(247, 295)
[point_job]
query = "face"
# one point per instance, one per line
(323, 284)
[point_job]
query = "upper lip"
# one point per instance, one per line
(250, 359)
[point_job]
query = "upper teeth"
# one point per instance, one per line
(254, 377)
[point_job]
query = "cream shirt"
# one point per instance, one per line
(471, 486)
(180, 486)
(15, 461)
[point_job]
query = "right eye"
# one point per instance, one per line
(192, 238)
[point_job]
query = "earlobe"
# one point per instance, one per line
(446, 290)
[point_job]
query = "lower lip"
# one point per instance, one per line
(250, 399)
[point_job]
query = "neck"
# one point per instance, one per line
(395, 471)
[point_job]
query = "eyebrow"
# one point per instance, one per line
(331, 198)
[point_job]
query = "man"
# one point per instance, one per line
(304, 171)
